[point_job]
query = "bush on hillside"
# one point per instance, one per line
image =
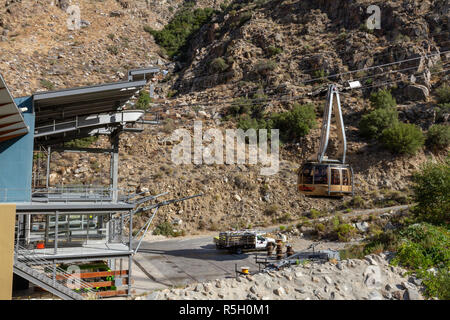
(382, 99)
(82, 142)
(273, 51)
(372, 125)
(438, 137)
(253, 107)
(442, 110)
(424, 247)
(143, 101)
(345, 232)
(245, 122)
(296, 123)
(218, 65)
(164, 228)
(431, 193)
(443, 93)
(265, 66)
(240, 106)
(175, 35)
(403, 138)
(437, 285)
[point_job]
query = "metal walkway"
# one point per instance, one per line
(89, 122)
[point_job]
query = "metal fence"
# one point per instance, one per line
(61, 194)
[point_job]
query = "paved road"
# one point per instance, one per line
(179, 261)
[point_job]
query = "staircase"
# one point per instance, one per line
(49, 277)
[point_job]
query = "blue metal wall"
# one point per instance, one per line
(16, 160)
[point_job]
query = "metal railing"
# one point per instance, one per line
(68, 193)
(59, 276)
(74, 193)
(97, 120)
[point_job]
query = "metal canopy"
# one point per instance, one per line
(142, 74)
(12, 124)
(69, 113)
(69, 103)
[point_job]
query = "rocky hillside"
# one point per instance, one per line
(40, 52)
(280, 49)
(369, 279)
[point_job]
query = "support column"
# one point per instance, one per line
(49, 155)
(114, 168)
(56, 231)
(130, 258)
(54, 272)
(27, 229)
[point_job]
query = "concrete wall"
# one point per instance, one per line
(8, 216)
(16, 160)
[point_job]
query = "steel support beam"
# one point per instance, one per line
(114, 168)
(49, 155)
(56, 231)
(87, 150)
(130, 258)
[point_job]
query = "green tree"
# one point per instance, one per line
(403, 138)
(382, 99)
(143, 101)
(294, 124)
(372, 125)
(176, 34)
(431, 193)
(438, 137)
(443, 93)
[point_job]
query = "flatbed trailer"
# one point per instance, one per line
(237, 241)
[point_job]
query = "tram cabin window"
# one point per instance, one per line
(345, 178)
(307, 175)
(335, 177)
(320, 175)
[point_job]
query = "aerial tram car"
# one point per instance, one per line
(321, 176)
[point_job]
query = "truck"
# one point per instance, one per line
(237, 241)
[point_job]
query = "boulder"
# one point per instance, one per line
(362, 226)
(63, 4)
(413, 294)
(279, 291)
(417, 92)
(375, 295)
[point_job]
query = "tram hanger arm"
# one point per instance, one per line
(331, 108)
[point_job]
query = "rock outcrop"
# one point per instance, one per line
(369, 279)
